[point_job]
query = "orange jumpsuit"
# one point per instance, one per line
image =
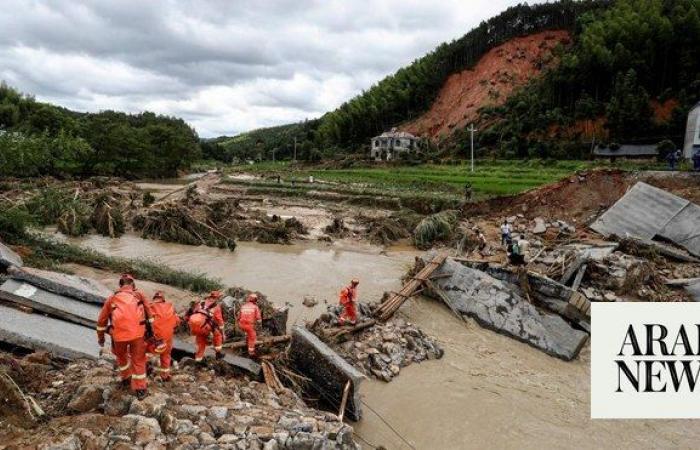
(248, 316)
(123, 317)
(206, 319)
(348, 297)
(164, 324)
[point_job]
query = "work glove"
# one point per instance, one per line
(101, 341)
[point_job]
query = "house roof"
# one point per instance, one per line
(627, 150)
(396, 134)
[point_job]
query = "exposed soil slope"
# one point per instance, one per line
(489, 83)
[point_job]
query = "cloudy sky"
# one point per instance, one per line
(224, 66)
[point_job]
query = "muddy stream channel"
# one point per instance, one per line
(488, 391)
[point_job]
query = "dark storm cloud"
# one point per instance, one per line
(224, 66)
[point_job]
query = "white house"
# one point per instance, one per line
(390, 144)
(692, 132)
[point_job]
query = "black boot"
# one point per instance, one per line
(219, 355)
(125, 384)
(141, 394)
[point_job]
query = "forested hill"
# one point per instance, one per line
(39, 139)
(630, 72)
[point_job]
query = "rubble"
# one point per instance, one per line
(381, 350)
(496, 305)
(199, 408)
(9, 258)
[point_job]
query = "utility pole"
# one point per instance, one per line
(472, 129)
(295, 149)
(273, 154)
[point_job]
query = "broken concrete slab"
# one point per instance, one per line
(646, 211)
(85, 313)
(55, 305)
(8, 258)
(38, 332)
(494, 304)
(80, 288)
(553, 295)
(328, 371)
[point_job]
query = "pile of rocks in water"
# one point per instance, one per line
(199, 408)
(383, 349)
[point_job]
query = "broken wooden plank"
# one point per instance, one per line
(572, 269)
(341, 411)
(264, 342)
(682, 281)
(579, 277)
(345, 330)
(391, 305)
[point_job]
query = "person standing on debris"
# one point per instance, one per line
(524, 248)
(125, 316)
(348, 299)
(165, 320)
(514, 252)
(206, 319)
(248, 318)
(467, 191)
(505, 232)
(672, 159)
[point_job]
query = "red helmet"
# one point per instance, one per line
(253, 298)
(126, 278)
(159, 294)
(355, 282)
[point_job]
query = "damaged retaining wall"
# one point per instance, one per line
(328, 371)
(494, 304)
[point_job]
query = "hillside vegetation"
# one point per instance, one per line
(629, 73)
(38, 139)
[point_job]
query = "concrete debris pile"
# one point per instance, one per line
(87, 409)
(383, 349)
(541, 226)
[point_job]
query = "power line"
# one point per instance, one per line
(388, 425)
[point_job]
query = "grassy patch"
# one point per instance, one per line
(490, 178)
(48, 253)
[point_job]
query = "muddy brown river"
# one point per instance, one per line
(488, 391)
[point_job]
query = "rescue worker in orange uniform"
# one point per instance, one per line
(124, 316)
(165, 320)
(248, 318)
(205, 319)
(348, 299)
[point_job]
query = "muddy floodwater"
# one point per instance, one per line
(488, 391)
(285, 273)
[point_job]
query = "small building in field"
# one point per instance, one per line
(391, 144)
(628, 151)
(692, 133)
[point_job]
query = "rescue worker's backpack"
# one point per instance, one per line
(200, 321)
